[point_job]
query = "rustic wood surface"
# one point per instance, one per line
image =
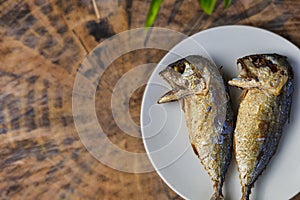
(43, 42)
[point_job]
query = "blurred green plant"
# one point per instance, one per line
(206, 5)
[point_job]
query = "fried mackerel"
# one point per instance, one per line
(267, 83)
(208, 113)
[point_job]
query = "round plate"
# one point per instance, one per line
(165, 134)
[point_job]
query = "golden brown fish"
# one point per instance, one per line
(208, 113)
(267, 81)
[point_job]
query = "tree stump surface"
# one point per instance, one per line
(43, 43)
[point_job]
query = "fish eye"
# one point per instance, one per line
(179, 69)
(260, 61)
(178, 66)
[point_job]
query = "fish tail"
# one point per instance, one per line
(218, 195)
(246, 190)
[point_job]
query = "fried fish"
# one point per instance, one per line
(267, 83)
(208, 114)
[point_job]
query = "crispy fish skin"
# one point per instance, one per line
(214, 149)
(267, 81)
(208, 113)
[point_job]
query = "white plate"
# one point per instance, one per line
(165, 134)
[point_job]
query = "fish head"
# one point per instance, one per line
(185, 80)
(267, 72)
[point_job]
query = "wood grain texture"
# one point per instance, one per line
(43, 42)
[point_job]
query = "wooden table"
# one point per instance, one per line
(42, 44)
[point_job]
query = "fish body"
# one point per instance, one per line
(208, 114)
(267, 83)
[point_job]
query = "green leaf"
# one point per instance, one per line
(152, 13)
(207, 5)
(227, 3)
